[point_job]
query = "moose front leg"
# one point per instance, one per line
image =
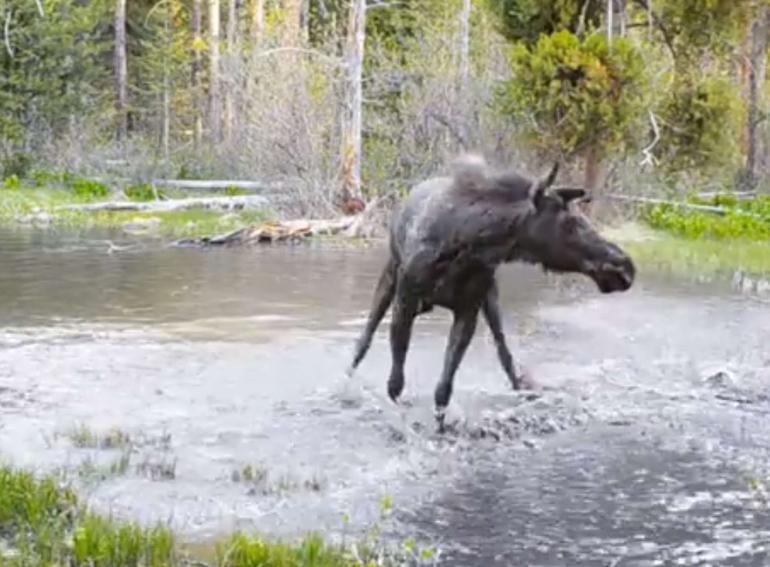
(494, 321)
(463, 328)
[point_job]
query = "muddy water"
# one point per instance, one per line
(645, 443)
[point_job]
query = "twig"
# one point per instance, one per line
(40, 9)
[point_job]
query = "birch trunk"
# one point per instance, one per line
(215, 102)
(232, 40)
(464, 69)
(196, 73)
(121, 70)
(258, 21)
(351, 129)
(293, 15)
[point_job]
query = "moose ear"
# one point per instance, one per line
(568, 194)
(539, 186)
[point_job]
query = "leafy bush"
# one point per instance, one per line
(12, 182)
(570, 94)
(143, 192)
(88, 189)
(17, 164)
(744, 219)
(701, 121)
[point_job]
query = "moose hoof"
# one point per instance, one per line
(394, 390)
(440, 415)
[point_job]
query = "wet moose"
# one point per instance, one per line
(447, 240)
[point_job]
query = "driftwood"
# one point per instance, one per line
(273, 232)
(223, 203)
(689, 206)
(213, 185)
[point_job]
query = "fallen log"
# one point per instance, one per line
(222, 203)
(271, 232)
(213, 185)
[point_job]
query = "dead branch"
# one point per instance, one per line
(649, 157)
(273, 232)
(224, 203)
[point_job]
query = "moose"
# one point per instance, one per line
(447, 239)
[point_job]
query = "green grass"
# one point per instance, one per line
(660, 250)
(745, 220)
(28, 204)
(43, 523)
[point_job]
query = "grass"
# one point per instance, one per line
(660, 250)
(744, 220)
(41, 205)
(258, 480)
(43, 523)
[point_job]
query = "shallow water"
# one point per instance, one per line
(644, 444)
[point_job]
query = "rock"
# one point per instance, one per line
(720, 379)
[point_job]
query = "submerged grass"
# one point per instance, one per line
(43, 523)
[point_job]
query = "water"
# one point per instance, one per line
(644, 444)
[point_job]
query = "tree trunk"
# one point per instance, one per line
(121, 70)
(215, 103)
(258, 21)
(293, 15)
(230, 79)
(196, 73)
(351, 132)
(464, 69)
(166, 123)
(760, 28)
(593, 169)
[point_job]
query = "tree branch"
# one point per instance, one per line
(7, 31)
(653, 18)
(649, 157)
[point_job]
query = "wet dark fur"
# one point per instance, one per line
(447, 240)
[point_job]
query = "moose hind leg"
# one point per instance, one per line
(463, 328)
(383, 296)
(494, 321)
(404, 313)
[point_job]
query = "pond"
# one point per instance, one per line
(645, 442)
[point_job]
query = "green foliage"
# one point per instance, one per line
(701, 117)
(744, 219)
(526, 20)
(88, 189)
(702, 27)
(143, 192)
(571, 94)
(17, 163)
(12, 182)
(52, 66)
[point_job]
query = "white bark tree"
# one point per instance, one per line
(215, 102)
(197, 66)
(231, 37)
(121, 70)
(352, 118)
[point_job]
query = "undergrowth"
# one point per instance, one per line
(743, 220)
(44, 523)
